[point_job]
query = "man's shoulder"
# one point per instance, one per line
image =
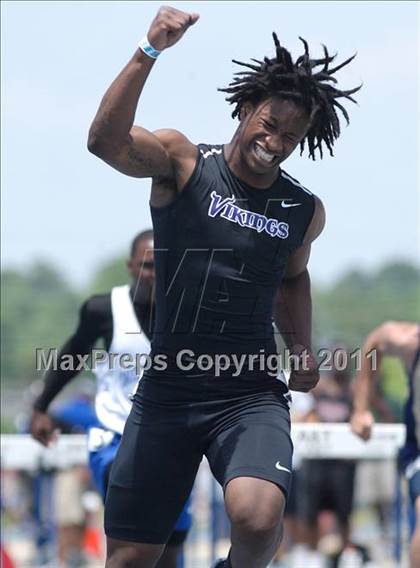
(314, 207)
(177, 145)
(97, 306)
(295, 184)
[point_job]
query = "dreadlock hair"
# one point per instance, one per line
(300, 82)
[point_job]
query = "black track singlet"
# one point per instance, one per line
(220, 252)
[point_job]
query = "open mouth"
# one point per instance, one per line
(267, 157)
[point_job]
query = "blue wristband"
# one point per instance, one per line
(148, 49)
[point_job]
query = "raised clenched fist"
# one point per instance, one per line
(169, 26)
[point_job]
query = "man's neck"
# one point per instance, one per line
(240, 168)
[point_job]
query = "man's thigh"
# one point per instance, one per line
(253, 440)
(152, 475)
(100, 461)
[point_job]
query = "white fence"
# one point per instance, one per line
(310, 441)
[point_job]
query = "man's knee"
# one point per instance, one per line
(122, 554)
(254, 509)
(260, 519)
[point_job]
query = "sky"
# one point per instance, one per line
(62, 204)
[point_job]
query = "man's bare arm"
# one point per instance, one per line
(133, 150)
(42, 426)
(293, 305)
(398, 339)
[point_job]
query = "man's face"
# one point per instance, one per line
(270, 132)
(142, 268)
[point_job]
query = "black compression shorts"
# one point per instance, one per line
(241, 426)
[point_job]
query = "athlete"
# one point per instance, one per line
(402, 340)
(230, 228)
(123, 320)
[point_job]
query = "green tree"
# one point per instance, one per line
(359, 301)
(38, 310)
(110, 274)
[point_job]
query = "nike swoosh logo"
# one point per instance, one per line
(286, 205)
(281, 468)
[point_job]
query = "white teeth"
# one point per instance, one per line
(266, 156)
